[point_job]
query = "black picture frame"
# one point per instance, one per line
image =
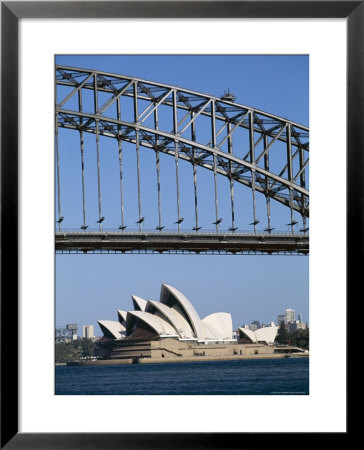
(11, 12)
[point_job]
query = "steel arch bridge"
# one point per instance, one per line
(270, 157)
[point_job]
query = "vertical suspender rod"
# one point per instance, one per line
(120, 154)
(98, 153)
(213, 132)
(266, 167)
(156, 125)
(58, 176)
(141, 219)
(230, 150)
(289, 164)
(175, 128)
(252, 160)
(194, 169)
(84, 225)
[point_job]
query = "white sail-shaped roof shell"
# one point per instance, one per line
(159, 325)
(222, 323)
(209, 332)
(172, 316)
(248, 333)
(266, 334)
(122, 315)
(111, 328)
(173, 298)
(139, 303)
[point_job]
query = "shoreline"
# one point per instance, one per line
(108, 362)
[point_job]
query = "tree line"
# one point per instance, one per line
(299, 338)
(73, 351)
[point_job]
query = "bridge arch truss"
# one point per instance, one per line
(266, 153)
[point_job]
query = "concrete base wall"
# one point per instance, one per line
(172, 350)
(168, 348)
(106, 362)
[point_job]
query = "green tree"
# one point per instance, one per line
(66, 351)
(73, 351)
(282, 335)
(88, 347)
(302, 338)
(299, 338)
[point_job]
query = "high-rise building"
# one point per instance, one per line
(300, 318)
(281, 318)
(296, 325)
(290, 315)
(88, 331)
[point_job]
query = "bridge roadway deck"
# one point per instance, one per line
(180, 242)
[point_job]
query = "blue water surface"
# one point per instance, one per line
(288, 376)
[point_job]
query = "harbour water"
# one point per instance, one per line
(287, 376)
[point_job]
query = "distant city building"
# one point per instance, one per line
(269, 324)
(66, 333)
(72, 328)
(290, 315)
(300, 318)
(252, 326)
(296, 325)
(281, 318)
(88, 331)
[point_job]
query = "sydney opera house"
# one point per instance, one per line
(171, 329)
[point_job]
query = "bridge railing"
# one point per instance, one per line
(207, 232)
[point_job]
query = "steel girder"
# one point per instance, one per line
(266, 137)
(156, 242)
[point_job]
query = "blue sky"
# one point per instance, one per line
(252, 287)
